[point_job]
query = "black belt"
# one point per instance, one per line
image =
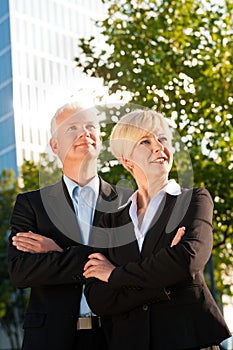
(93, 322)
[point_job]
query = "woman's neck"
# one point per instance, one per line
(144, 195)
(147, 190)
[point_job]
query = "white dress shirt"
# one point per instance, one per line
(172, 188)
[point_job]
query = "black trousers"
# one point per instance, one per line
(90, 339)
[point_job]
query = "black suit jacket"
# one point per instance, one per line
(190, 318)
(55, 278)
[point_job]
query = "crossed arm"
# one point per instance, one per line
(30, 242)
(52, 265)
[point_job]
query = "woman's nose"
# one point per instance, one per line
(157, 146)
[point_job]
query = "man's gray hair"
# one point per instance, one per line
(68, 107)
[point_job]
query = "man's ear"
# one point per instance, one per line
(53, 145)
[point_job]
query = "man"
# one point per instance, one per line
(57, 316)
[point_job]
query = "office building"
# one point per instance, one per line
(38, 44)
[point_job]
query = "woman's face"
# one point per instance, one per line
(152, 156)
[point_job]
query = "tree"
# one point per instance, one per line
(176, 56)
(12, 301)
(34, 175)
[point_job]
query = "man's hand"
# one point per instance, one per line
(99, 267)
(178, 236)
(30, 242)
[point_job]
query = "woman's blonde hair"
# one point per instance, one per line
(132, 127)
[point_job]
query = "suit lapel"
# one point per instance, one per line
(125, 245)
(59, 208)
(158, 224)
(107, 202)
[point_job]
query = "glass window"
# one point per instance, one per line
(6, 99)
(5, 66)
(4, 8)
(7, 134)
(5, 34)
(8, 161)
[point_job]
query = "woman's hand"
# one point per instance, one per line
(179, 234)
(30, 242)
(99, 267)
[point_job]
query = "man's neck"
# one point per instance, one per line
(80, 173)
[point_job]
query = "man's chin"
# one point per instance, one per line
(90, 153)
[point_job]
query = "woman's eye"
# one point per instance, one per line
(145, 142)
(162, 139)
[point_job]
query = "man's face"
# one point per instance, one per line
(77, 137)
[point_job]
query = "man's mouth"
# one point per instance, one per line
(85, 144)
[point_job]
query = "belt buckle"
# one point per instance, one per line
(88, 322)
(84, 323)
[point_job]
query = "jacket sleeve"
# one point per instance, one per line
(105, 300)
(170, 266)
(52, 268)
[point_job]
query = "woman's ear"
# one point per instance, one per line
(128, 164)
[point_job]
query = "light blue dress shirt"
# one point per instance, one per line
(84, 201)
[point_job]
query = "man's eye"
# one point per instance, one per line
(91, 127)
(72, 128)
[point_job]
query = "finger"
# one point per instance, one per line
(24, 248)
(94, 263)
(178, 236)
(98, 256)
(88, 265)
(29, 234)
(89, 273)
(25, 241)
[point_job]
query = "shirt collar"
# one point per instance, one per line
(172, 188)
(94, 184)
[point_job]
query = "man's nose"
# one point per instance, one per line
(84, 130)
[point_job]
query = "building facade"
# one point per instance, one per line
(39, 41)
(38, 44)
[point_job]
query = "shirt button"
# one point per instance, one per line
(145, 307)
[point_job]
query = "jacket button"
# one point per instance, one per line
(76, 278)
(145, 307)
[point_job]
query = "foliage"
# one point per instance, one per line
(46, 172)
(12, 301)
(175, 56)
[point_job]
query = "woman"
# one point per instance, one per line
(151, 257)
